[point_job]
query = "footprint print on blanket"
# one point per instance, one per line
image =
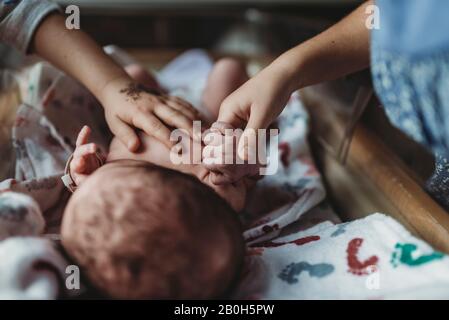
(298, 242)
(290, 273)
(357, 267)
(340, 230)
(403, 254)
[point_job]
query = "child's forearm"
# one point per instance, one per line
(127, 105)
(74, 52)
(340, 50)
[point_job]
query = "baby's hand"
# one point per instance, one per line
(85, 158)
(221, 158)
(128, 105)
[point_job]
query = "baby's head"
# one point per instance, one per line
(142, 231)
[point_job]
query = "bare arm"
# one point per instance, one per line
(127, 105)
(74, 52)
(338, 51)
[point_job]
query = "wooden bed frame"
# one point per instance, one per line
(384, 170)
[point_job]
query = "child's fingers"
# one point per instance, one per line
(126, 134)
(185, 105)
(221, 127)
(213, 138)
(175, 119)
(153, 127)
(247, 144)
(83, 136)
(229, 114)
(188, 113)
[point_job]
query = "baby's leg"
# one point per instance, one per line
(226, 76)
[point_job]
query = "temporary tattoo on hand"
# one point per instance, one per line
(133, 91)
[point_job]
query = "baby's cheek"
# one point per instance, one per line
(151, 150)
(233, 195)
(117, 151)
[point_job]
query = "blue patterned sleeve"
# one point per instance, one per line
(19, 20)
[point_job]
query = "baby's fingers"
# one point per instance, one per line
(84, 159)
(83, 136)
(85, 150)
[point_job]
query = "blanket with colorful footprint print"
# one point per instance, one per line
(370, 258)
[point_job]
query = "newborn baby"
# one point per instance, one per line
(143, 227)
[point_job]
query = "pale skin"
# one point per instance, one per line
(340, 50)
(79, 56)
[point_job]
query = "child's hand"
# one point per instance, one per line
(85, 160)
(128, 105)
(221, 158)
(256, 104)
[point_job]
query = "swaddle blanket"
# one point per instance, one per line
(370, 258)
(19, 215)
(297, 247)
(30, 268)
(53, 111)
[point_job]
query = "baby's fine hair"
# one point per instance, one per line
(142, 231)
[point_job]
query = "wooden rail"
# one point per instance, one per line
(374, 178)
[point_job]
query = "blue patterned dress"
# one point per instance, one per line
(410, 70)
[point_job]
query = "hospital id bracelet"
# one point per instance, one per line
(67, 178)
